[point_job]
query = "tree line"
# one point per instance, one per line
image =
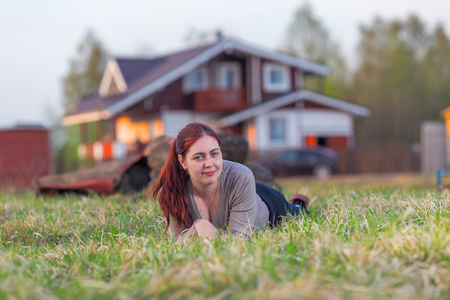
(401, 72)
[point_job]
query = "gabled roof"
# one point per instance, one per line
(293, 97)
(144, 77)
(134, 68)
(136, 73)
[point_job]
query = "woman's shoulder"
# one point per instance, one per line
(235, 169)
(238, 182)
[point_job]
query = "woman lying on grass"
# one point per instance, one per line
(200, 193)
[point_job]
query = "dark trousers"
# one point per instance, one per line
(276, 203)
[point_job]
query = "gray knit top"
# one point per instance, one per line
(240, 209)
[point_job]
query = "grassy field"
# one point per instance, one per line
(368, 238)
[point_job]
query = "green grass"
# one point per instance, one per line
(367, 238)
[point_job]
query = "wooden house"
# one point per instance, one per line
(231, 85)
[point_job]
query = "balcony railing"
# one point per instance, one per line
(220, 100)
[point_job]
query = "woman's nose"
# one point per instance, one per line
(208, 161)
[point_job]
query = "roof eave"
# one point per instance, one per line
(295, 96)
(305, 65)
(85, 117)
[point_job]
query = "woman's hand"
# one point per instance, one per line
(204, 228)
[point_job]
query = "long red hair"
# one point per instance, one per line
(171, 185)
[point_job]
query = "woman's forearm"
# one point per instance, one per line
(206, 229)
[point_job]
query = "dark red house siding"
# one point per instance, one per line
(332, 142)
(309, 104)
(173, 96)
(25, 155)
(338, 142)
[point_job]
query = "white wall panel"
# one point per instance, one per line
(174, 121)
(321, 122)
(301, 123)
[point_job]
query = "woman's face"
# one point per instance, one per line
(203, 161)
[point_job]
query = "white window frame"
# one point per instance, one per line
(284, 85)
(235, 68)
(282, 141)
(187, 85)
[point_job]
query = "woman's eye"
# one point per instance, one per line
(197, 157)
(214, 153)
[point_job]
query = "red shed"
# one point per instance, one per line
(25, 155)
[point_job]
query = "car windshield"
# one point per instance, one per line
(288, 156)
(293, 155)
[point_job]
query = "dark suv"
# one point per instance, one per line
(320, 162)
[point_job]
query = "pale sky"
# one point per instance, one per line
(39, 37)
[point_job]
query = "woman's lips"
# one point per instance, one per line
(209, 173)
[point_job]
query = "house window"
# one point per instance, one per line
(229, 75)
(228, 78)
(276, 78)
(196, 80)
(278, 131)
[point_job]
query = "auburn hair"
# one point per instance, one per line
(171, 185)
